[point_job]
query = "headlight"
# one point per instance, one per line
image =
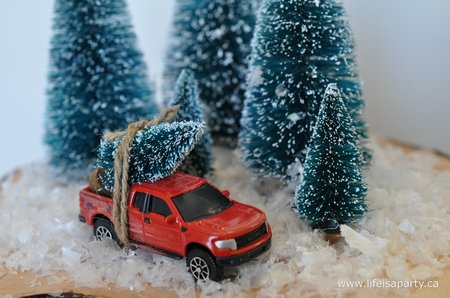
(231, 244)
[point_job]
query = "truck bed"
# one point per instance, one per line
(92, 204)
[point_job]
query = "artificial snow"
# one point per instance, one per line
(294, 117)
(281, 90)
(406, 227)
(255, 76)
(405, 235)
(362, 243)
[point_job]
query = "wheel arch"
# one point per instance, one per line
(193, 245)
(99, 216)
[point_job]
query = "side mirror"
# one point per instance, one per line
(171, 219)
(226, 193)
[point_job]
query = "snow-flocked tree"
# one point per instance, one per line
(156, 152)
(212, 38)
(199, 161)
(333, 188)
(299, 47)
(97, 79)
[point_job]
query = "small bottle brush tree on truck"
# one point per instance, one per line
(333, 189)
(212, 38)
(199, 161)
(155, 153)
(299, 47)
(97, 79)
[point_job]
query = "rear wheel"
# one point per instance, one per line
(104, 229)
(203, 266)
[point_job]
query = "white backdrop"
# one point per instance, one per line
(403, 52)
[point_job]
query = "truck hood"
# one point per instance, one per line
(234, 221)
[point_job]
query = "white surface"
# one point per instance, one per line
(44, 235)
(403, 48)
(403, 51)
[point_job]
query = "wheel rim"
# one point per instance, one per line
(102, 233)
(199, 268)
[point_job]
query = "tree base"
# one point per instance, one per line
(331, 229)
(333, 238)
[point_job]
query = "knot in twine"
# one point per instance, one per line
(122, 167)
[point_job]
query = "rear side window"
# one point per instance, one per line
(160, 207)
(142, 202)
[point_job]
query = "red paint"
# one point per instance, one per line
(171, 233)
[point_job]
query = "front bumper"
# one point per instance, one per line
(245, 257)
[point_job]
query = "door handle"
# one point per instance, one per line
(147, 220)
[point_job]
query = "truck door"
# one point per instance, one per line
(139, 206)
(157, 232)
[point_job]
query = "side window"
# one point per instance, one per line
(160, 207)
(142, 201)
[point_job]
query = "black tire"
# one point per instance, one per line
(203, 266)
(105, 229)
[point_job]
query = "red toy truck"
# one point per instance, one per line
(184, 216)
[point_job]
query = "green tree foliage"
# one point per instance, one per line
(199, 161)
(97, 79)
(299, 47)
(156, 153)
(212, 38)
(333, 187)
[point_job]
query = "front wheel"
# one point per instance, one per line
(203, 266)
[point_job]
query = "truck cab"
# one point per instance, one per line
(185, 216)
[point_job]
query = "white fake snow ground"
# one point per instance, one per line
(405, 236)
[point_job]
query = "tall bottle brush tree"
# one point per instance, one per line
(333, 188)
(212, 38)
(97, 79)
(299, 47)
(199, 161)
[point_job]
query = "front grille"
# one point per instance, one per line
(251, 237)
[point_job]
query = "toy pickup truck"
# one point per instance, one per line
(184, 216)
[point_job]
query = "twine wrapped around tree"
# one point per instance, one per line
(122, 167)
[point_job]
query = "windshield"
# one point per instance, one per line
(201, 203)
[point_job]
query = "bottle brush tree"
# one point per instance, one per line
(156, 152)
(299, 47)
(333, 188)
(212, 38)
(185, 95)
(97, 79)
